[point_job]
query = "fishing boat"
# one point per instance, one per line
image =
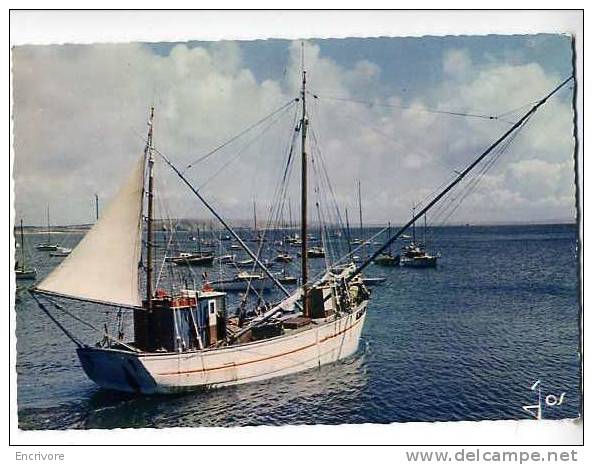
(21, 269)
(184, 338)
(48, 246)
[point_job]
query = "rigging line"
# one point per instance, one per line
(407, 107)
(234, 138)
(317, 147)
(224, 223)
(276, 207)
(514, 110)
(68, 334)
(472, 186)
(464, 173)
(240, 152)
(399, 143)
(89, 325)
(434, 191)
(322, 200)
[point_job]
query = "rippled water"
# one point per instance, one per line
(462, 342)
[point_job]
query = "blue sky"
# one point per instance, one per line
(410, 64)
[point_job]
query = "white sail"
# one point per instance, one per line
(104, 265)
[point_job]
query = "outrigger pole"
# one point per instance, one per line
(458, 179)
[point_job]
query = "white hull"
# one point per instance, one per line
(423, 262)
(153, 373)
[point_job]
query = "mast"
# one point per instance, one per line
(360, 210)
(22, 247)
(290, 225)
(348, 235)
(96, 207)
(414, 226)
(424, 233)
(255, 222)
(48, 227)
(149, 233)
(304, 276)
(366, 245)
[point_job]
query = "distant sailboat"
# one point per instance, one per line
(21, 269)
(48, 246)
(387, 258)
(415, 255)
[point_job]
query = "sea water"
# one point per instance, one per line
(464, 341)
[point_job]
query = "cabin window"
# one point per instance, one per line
(212, 307)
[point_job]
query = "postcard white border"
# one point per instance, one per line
(42, 27)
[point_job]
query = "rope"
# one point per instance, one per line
(407, 107)
(234, 138)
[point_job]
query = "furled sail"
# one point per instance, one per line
(104, 265)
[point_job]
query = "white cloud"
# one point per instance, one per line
(456, 62)
(80, 115)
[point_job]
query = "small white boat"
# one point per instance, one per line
(245, 263)
(47, 247)
(420, 261)
(316, 252)
(61, 252)
(228, 258)
(287, 279)
(373, 281)
(240, 283)
(283, 258)
(30, 273)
